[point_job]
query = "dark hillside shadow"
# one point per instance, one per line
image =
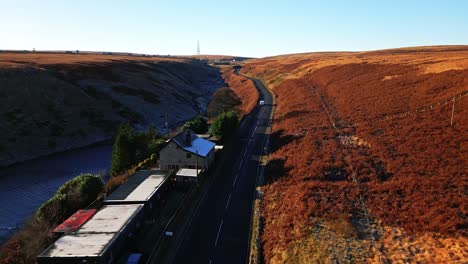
(274, 170)
(279, 139)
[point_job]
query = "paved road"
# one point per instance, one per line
(220, 229)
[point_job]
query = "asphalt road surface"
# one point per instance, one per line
(220, 230)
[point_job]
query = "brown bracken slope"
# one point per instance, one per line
(365, 164)
(244, 89)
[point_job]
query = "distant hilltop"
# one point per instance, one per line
(200, 57)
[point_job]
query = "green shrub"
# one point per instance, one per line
(75, 194)
(123, 151)
(52, 210)
(84, 188)
(224, 125)
(223, 100)
(131, 147)
(154, 146)
(198, 124)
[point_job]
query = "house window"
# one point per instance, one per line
(188, 155)
(173, 167)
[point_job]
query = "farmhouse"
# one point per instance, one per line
(187, 150)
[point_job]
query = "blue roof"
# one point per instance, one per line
(201, 145)
(197, 145)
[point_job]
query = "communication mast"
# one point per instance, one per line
(198, 47)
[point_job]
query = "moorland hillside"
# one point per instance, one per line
(367, 164)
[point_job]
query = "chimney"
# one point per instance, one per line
(188, 138)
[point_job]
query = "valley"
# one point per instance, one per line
(365, 161)
(54, 102)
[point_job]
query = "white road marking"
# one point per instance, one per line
(229, 199)
(255, 129)
(240, 164)
(219, 231)
(210, 261)
(235, 179)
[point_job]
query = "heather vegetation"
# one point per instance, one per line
(366, 163)
(244, 89)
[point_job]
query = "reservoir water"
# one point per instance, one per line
(25, 186)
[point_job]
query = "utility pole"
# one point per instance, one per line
(198, 47)
(167, 126)
(453, 112)
(196, 151)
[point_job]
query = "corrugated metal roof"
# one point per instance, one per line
(111, 218)
(197, 145)
(188, 172)
(93, 238)
(75, 221)
(140, 187)
(79, 245)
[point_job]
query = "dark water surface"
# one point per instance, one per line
(25, 186)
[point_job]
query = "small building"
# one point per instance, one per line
(147, 187)
(75, 221)
(187, 150)
(100, 240)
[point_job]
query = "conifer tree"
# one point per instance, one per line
(122, 151)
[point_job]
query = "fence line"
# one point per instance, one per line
(354, 178)
(384, 117)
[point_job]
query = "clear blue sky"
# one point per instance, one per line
(254, 28)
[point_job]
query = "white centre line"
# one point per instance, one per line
(245, 152)
(235, 180)
(219, 231)
(255, 129)
(229, 199)
(240, 164)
